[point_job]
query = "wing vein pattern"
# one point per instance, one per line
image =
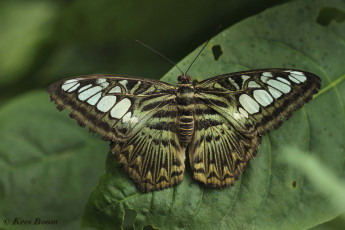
(219, 121)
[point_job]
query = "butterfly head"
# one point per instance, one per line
(184, 79)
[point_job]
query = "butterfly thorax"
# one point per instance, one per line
(185, 102)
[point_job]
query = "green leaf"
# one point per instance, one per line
(335, 224)
(48, 166)
(319, 174)
(271, 193)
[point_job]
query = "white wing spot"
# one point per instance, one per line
(101, 80)
(89, 92)
(262, 97)
(264, 79)
(67, 85)
(243, 112)
(283, 80)
(275, 93)
(249, 104)
(71, 81)
(104, 85)
(300, 77)
(106, 103)
(232, 82)
(124, 83)
(279, 85)
(294, 79)
(127, 118)
(253, 84)
(296, 72)
(245, 77)
(267, 74)
(296, 76)
(93, 100)
(116, 89)
(84, 87)
(120, 108)
(74, 87)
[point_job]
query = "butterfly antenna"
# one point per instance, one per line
(167, 59)
(218, 28)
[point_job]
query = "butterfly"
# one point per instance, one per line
(218, 121)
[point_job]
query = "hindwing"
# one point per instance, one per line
(233, 110)
(219, 152)
(154, 157)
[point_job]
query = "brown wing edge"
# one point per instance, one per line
(77, 113)
(147, 184)
(227, 178)
(287, 109)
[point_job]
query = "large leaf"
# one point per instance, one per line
(272, 193)
(47, 166)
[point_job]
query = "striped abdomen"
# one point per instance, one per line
(185, 101)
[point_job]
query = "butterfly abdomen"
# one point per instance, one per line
(185, 102)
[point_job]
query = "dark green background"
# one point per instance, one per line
(43, 41)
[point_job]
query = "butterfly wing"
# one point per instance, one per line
(234, 110)
(154, 157)
(138, 115)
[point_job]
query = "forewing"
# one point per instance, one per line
(234, 110)
(117, 107)
(259, 100)
(138, 115)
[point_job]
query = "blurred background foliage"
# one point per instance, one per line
(44, 40)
